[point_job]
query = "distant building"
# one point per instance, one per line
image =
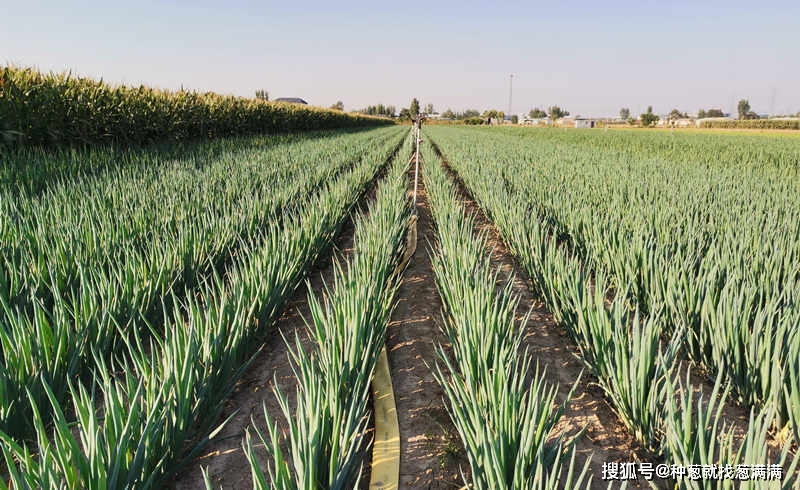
(564, 122)
(291, 100)
(585, 122)
(535, 121)
(684, 122)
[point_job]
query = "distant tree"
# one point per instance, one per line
(744, 108)
(648, 118)
(262, 94)
(557, 113)
(537, 113)
(469, 113)
(515, 119)
(676, 114)
(624, 113)
(710, 113)
(338, 106)
(413, 109)
(379, 110)
(429, 109)
(494, 114)
(449, 114)
(405, 113)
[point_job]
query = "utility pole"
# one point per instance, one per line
(510, 92)
(772, 103)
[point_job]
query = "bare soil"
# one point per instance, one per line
(431, 453)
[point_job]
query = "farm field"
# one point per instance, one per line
(211, 314)
(732, 131)
(650, 249)
(132, 299)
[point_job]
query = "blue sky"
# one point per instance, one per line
(590, 57)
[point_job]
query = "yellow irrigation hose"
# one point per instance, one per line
(386, 450)
(385, 474)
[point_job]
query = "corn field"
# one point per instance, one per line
(785, 124)
(63, 109)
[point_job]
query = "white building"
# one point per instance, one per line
(536, 121)
(585, 122)
(684, 122)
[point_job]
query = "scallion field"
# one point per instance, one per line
(196, 292)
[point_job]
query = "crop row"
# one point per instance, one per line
(154, 405)
(505, 416)
(582, 269)
(327, 432)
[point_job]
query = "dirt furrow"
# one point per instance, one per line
(431, 453)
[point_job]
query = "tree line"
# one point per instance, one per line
(649, 118)
(555, 112)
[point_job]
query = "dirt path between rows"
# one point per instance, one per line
(431, 453)
(606, 439)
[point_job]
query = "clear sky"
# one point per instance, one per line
(591, 57)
